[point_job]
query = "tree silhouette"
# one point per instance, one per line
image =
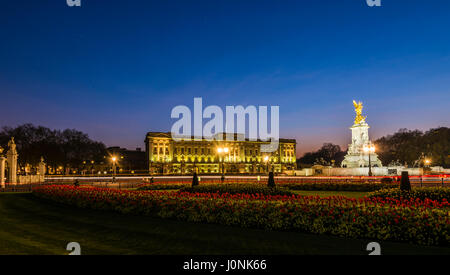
(68, 148)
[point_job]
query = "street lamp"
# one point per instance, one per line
(114, 159)
(369, 149)
(92, 167)
(266, 160)
(220, 151)
(427, 162)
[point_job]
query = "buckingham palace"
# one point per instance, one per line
(167, 156)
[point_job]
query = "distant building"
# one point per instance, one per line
(166, 156)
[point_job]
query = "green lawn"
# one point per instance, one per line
(31, 226)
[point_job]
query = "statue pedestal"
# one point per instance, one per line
(356, 157)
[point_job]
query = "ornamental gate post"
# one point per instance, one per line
(42, 170)
(2, 171)
(12, 156)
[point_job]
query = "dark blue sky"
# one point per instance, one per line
(115, 69)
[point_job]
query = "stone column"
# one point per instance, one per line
(2, 171)
(12, 162)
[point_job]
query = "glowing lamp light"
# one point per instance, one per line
(266, 158)
(221, 150)
(114, 159)
(369, 148)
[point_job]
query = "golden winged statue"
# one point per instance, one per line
(358, 109)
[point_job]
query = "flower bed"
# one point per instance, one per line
(422, 222)
(162, 186)
(338, 186)
(316, 186)
(441, 194)
(237, 188)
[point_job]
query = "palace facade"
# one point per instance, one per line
(167, 156)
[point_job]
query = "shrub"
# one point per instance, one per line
(237, 188)
(194, 180)
(440, 194)
(271, 181)
(405, 184)
(421, 222)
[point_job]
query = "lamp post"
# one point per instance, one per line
(92, 168)
(222, 151)
(369, 149)
(266, 160)
(427, 163)
(150, 167)
(114, 159)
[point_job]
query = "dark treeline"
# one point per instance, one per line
(404, 147)
(329, 154)
(67, 148)
(411, 147)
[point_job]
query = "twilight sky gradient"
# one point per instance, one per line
(115, 69)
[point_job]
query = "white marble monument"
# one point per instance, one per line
(361, 152)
